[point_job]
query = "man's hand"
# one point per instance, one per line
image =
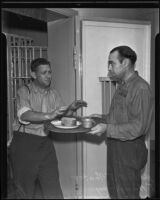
(58, 112)
(95, 115)
(77, 104)
(73, 107)
(98, 130)
(62, 110)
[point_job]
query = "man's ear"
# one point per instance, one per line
(33, 75)
(126, 62)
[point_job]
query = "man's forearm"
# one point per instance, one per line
(33, 116)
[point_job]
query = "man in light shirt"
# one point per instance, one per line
(32, 151)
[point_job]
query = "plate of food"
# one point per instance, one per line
(66, 123)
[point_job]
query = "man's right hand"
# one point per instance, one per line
(98, 130)
(95, 115)
(57, 113)
(62, 110)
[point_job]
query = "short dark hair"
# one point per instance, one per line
(37, 62)
(125, 52)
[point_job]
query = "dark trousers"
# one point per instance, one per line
(34, 158)
(125, 160)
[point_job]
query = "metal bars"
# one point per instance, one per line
(21, 52)
(108, 90)
(21, 60)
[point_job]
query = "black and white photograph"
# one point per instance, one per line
(80, 94)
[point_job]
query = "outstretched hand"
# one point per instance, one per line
(98, 130)
(96, 115)
(77, 104)
(61, 110)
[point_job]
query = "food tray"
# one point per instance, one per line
(80, 129)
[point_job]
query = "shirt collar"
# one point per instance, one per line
(38, 89)
(133, 76)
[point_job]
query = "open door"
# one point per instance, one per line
(61, 54)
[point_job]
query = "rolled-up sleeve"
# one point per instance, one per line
(139, 118)
(23, 103)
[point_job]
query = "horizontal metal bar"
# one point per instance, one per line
(28, 46)
(21, 77)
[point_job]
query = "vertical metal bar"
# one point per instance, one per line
(33, 53)
(24, 64)
(9, 92)
(19, 67)
(15, 75)
(21, 49)
(28, 64)
(26, 60)
(40, 49)
(103, 98)
(14, 80)
(44, 53)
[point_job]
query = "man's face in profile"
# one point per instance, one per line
(116, 68)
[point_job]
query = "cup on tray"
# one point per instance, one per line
(88, 122)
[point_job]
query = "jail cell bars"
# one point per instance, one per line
(21, 57)
(20, 52)
(17, 40)
(108, 89)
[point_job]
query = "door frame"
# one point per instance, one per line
(79, 85)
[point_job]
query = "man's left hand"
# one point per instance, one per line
(98, 130)
(77, 104)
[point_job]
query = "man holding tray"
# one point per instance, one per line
(32, 152)
(126, 125)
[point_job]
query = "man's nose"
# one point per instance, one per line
(109, 67)
(48, 75)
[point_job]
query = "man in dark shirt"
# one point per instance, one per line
(127, 125)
